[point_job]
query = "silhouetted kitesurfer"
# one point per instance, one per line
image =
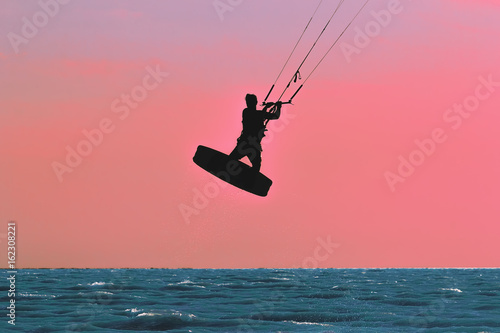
(248, 144)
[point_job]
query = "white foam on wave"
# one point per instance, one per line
(186, 282)
(452, 289)
(35, 295)
(149, 314)
(305, 323)
(180, 314)
(100, 283)
(174, 313)
(134, 310)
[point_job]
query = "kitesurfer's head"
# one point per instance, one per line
(251, 101)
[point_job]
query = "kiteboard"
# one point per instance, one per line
(231, 171)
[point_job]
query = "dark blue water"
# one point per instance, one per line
(258, 300)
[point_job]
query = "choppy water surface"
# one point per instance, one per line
(256, 300)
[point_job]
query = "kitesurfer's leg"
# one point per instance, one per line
(236, 153)
(256, 161)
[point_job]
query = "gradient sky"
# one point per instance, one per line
(328, 157)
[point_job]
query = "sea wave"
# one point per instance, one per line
(259, 301)
(98, 283)
(452, 289)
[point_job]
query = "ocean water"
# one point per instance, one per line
(254, 300)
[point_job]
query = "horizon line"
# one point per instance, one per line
(268, 268)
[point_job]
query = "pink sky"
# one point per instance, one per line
(328, 157)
